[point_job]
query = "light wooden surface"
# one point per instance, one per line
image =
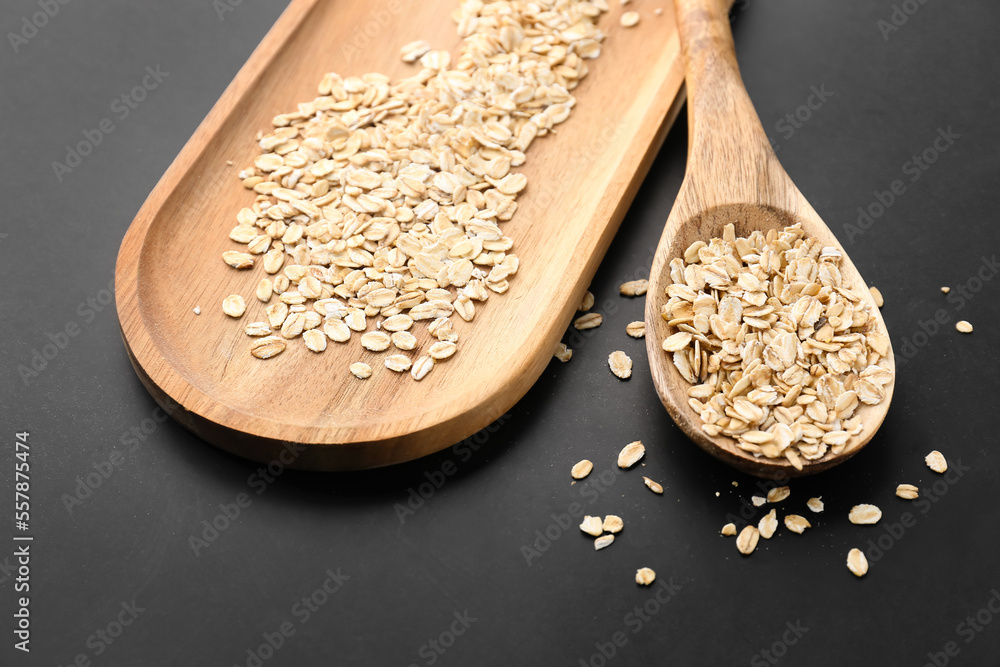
(581, 182)
(732, 176)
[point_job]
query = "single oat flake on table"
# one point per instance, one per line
(778, 350)
(644, 576)
(797, 523)
(630, 454)
(777, 494)
(768, 524)
(653, 486)
(588, 321)
(865, 514)
(563, 353)
(603, 541)
(634, 287)
(613, 524)
(620, 364)
(857, 563)
(936, 462)
(592, 525)
(582, 469)
(636, 329)
(746, 541)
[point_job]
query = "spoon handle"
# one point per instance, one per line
(729, 155)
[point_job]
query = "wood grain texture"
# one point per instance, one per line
(734, 177)
(581, 181)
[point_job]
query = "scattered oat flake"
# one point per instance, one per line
(315, 340)
(857, 563)
(936, 461)
(815, 504)
(634, 287)
(644, 576)
(293, 325)
(414, 50)
(963, 326)
(587, 302)
(237, 260)
(865, 514)
(397, 362)
(442, 350)
(746, 542)
(582, 469)
(588, 321)
(876, 296)
(728, 530)
(563, 353)
(267, 347)
(603, 541)
(636, 329)
(796, 523)
(376, 341)
(907, 491)
(768, 524)
(630, 19)
(264, 291)
(613, 524)
(592, 525)
(630, 454)
(397, 323)
(361, 370)
(621, 364)
(234, 305)
(403, 340)
(777, 494)
(652, 486)
(758, 500)
(421, 367)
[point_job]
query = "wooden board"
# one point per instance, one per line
(581, 182)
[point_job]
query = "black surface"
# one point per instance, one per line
(461, 552)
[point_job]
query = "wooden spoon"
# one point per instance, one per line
(734, 177)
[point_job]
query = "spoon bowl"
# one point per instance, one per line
(733, 177)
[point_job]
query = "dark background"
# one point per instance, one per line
(461, 551)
